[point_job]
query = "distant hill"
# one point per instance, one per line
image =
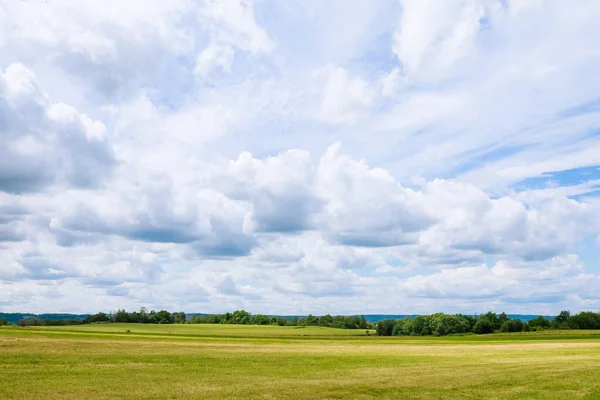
(13, 318)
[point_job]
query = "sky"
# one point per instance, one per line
(300, 156)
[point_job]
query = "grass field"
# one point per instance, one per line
(252, 362)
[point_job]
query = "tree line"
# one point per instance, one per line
(238, 317)
(441, 324)
(242, 317)
(438, 324)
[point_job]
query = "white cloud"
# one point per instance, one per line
(44, 143)
(367, 207)
(188, 155)
(433, 35)
(214, 56)
(345, 97)
(232, 22)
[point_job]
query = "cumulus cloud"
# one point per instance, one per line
(366, 206)
(280, 189)
(235, 154)
(43, 142)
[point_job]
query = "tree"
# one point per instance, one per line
(483, 326)
(398, 329)
(30, 322)
(503, 318)
(98, 317)
(493, 318)
(363, 324)
(419, 326)
(144, 318)
(3, 321)
(240, 315)
(227, 317)
(179, 317)
(444, 324)
(585, 320)
(385, 327)
(540, 322)
(326, 320)
(152, 318)
(259, 319)
(512, 325)
(120, 316)
(164, 317)
(563, 317)
(310, 321)
(134, 317)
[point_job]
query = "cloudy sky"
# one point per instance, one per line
(300, 156)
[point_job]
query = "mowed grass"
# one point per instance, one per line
(231, 362)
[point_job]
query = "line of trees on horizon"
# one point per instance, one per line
(438, 324)
(441, 324)
(242, 317)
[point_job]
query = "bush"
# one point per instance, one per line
(385, 327)
(512, 325)
(539, 322)
(483, 326)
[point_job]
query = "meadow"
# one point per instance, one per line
(123, 361)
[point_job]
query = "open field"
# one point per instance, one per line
(215, 330)
(236, 362)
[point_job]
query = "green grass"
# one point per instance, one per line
(214, 330)
(254, 362)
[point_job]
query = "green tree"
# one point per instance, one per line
(144, 317)
(444, 324)
(240, 315)
(164, 317)
(503, 318)
(179, 317)
(120, 316)
(398, 329)
(363, 323)
(493, 318)
(311, 320)
(483, 326)
(326, 320)
(385, 327)
(3, 321)
(512, 325)
(259, 319)
(540, 322)
(98, 317)
(585, 320)
(563, 317)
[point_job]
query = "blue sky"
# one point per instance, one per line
(300, 157)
